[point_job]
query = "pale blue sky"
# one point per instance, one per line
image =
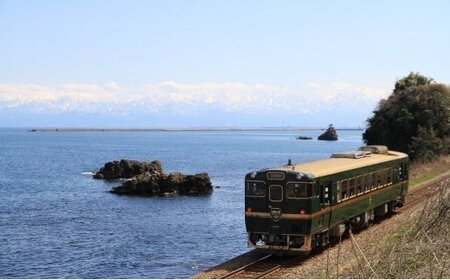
(193, 63)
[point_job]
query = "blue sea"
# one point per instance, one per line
(57, 222)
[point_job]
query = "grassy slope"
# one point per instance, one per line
(421, 173)
(419, 247)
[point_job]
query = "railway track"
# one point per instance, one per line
(423, 192)
(257, 269)
(270, 263)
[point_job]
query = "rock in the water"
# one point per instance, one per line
(142, 184)
(196, 184)
(148, 179)
(127, 169)
(330, 134)
(159, 184)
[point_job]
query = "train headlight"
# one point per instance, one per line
(299, 176)
(253, 175)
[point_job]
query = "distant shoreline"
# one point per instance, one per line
(181, 129)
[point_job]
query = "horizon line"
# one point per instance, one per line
(168, 129)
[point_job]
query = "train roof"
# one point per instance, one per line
(338, 164)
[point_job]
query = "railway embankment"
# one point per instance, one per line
(412, 243)
(400, 246)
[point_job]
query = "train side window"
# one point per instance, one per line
(255, 189)
(344, 189)
(352, 187)
(367, 182)
(359, 184)
(338, 191)
(315, 190)
(380, 176)
(374, 180)
(389, 176)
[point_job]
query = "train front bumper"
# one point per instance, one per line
(280, 243)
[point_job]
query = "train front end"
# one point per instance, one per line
(278, 208)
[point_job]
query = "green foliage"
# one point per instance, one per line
(415, 119)
(425, 145)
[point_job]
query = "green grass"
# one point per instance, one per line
(414, 182)
(421, 173)
(396, 235)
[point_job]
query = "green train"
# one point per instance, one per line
(296, 208)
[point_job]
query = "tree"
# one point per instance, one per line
(414, 119)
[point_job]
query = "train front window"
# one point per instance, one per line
(255, 189)
(298, 190)
(276, 193)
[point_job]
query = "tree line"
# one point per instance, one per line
(414, 119)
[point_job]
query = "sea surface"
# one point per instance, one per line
(57, 222)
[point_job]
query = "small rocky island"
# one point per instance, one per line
(329, 135)
(148, 179)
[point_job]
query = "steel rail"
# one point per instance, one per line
(421, 193)
(255, 269)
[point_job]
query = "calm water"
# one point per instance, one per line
(56, 221)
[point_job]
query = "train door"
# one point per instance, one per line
(325, 202)
(275, 207)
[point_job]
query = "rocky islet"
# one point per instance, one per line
(148, 179)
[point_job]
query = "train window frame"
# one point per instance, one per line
(359, 185)
(282, 193)
(389, 176)
(374, 180)
(352, 187)
(315, 189)
(367, 182)
(338, 191)
(364, 183)
(344, 188)
(380, 178)
(256, 181)
(313, 185)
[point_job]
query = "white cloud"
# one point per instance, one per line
(180, 97)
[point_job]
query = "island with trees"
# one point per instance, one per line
(329, 135)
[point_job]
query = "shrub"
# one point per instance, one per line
(414, 119)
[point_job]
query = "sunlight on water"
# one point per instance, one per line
(58, 222)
